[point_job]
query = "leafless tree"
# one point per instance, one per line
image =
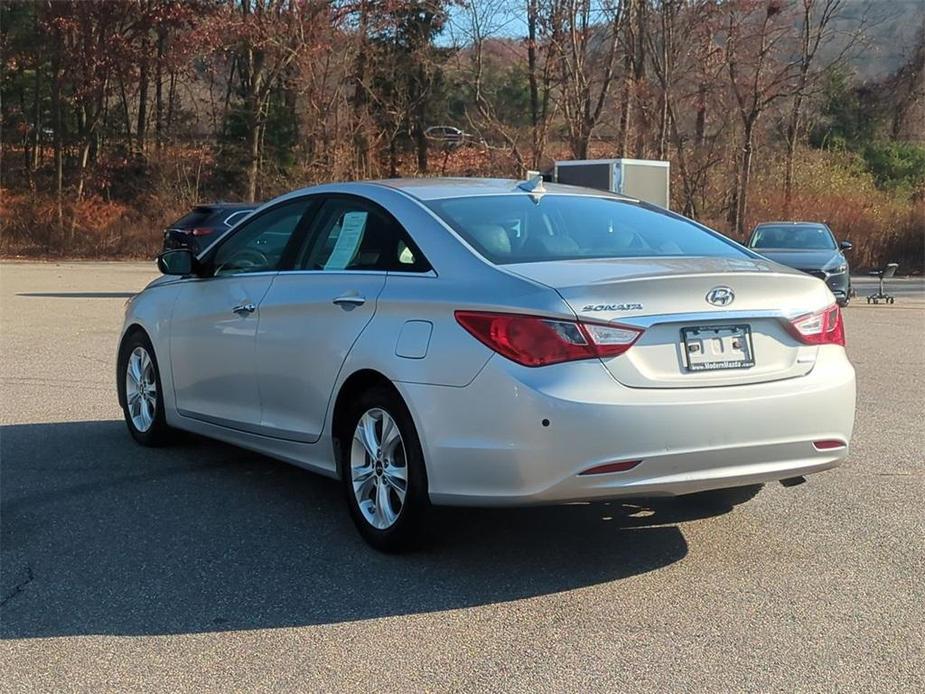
(267, 35)
(755, 32)
(540, 23)
(585, 44)
(482, 21)
(817, 34)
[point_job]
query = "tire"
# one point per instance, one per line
(372, 473)
(144, 415)
(731, 496)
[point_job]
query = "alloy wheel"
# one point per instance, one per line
(141, 389)
(379, 468)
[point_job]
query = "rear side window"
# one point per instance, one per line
(516, 229)
(235, 217)
(352, 235)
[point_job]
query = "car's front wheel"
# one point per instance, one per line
(383, 471)
(140, 392)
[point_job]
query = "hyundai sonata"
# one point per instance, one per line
(489, 342)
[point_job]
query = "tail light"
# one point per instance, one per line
(824, 327)
(202, 231)
(538, 341)
(622, 466)
(829, 444)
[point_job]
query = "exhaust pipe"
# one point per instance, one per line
(793, 481)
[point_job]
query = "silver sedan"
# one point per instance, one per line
(490, 342)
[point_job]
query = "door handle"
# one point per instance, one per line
(350, 300)
(244, 309)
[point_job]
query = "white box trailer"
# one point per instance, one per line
(642, 179)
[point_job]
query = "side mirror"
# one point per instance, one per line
(176, 262)
(846, 245)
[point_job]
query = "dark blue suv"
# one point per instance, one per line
(809, 247)
(203, 224)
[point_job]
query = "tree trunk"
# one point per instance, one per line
(252, 79)
(171, 100)
(253, 153)
(158, 90)
(141, 127)
(420, 118)
(36, 119)
(360, 141)
(58, 145)
(745, 171)
(580, 144)
(689, 208)
(793, 129)
(532, 18)
(126, 113)
(420, 142)
(639, 77)
(667, 22)
(228, 91)
(700, 128)
(84, 158)
(393, 156)
(626, 93)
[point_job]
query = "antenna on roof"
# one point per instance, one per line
(533, 185)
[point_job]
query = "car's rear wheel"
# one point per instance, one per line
(383, 471)
(140, 392)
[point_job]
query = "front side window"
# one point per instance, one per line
(518, 229)
(352, 235)
(258, 245)
(793, 238)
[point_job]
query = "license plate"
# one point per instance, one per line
(718, 347)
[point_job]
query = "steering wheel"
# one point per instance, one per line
(246, 259)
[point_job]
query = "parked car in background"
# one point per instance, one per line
(809, 247)
(204, 223)
(490, 342)
(446, 133)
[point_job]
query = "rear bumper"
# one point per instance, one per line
(175, 239)
(487, 444)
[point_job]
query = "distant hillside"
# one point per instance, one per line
(890, 33)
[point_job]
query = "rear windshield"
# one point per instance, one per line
(515, 229)
(196, 217)
(793, 237)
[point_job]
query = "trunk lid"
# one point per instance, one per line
(668, 295)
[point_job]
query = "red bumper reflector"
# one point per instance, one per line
(829, 444)
(611, 467)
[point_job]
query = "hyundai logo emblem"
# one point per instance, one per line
(721, 296)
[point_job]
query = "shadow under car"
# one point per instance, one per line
(100, 536)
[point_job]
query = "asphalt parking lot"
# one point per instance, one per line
(207, 568)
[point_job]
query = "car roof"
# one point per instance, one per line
(439, 188)
(221, 206)
(793, 224)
